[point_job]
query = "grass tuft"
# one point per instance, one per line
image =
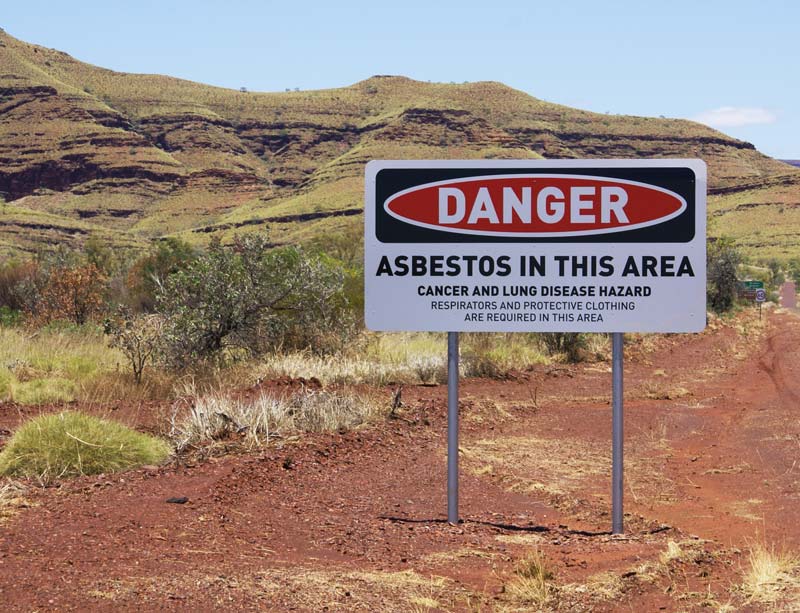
(672, 552)
(770, 576)
(532, 583)
(52, 446)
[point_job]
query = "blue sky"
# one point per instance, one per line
(733, 64)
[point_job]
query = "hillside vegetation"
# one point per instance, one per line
(86, 151)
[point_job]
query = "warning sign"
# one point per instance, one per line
(563, 246)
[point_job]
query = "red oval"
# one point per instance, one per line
(535, 205)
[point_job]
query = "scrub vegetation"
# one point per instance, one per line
(94, 326)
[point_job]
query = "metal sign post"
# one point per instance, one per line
(452, 427)
(616, 432)
(761, 297)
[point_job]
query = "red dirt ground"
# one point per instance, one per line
(356, 521)
(788, 297)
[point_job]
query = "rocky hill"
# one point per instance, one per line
(86, 151)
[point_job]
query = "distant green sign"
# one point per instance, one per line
(753, 285)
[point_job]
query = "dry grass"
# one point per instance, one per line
(526, 539)
(771, 578)
(347, 370)
(601, 587)
(107, 388)
(532, 583)
(51, 365)
(672, 552)
(302, 588)
(452, 557)
(409, 358)
(655, 390)
(552, 466)
(255, 420)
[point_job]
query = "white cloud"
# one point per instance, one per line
(735, 117)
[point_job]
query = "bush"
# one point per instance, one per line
(776, 268)
(13, 278)
(794, 270)
(722, 262)
(248, 298)
(67, 293)
(52, 446)
(149, 272)
(570, 344)
(138, 337)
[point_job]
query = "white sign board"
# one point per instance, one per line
(536, 245)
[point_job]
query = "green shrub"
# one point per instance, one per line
(251, 298)
(722, 262)
(66, 444)
(570, 344)
(150, 271)
(9, 317)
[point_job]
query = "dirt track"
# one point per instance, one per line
(788, 295)
(355, 522)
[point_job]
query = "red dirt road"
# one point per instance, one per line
(355, 521)
(788, 297)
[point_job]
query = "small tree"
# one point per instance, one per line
(75, 294)
(252, 298)
(101, 255)
(722, 261)
(776, 268)
(149, 272)
(138, 337)
(794, 270)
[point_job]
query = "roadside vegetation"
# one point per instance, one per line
(100, 327)
(97, 325)
(87, 325)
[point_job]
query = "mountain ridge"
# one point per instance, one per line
(130, 158)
